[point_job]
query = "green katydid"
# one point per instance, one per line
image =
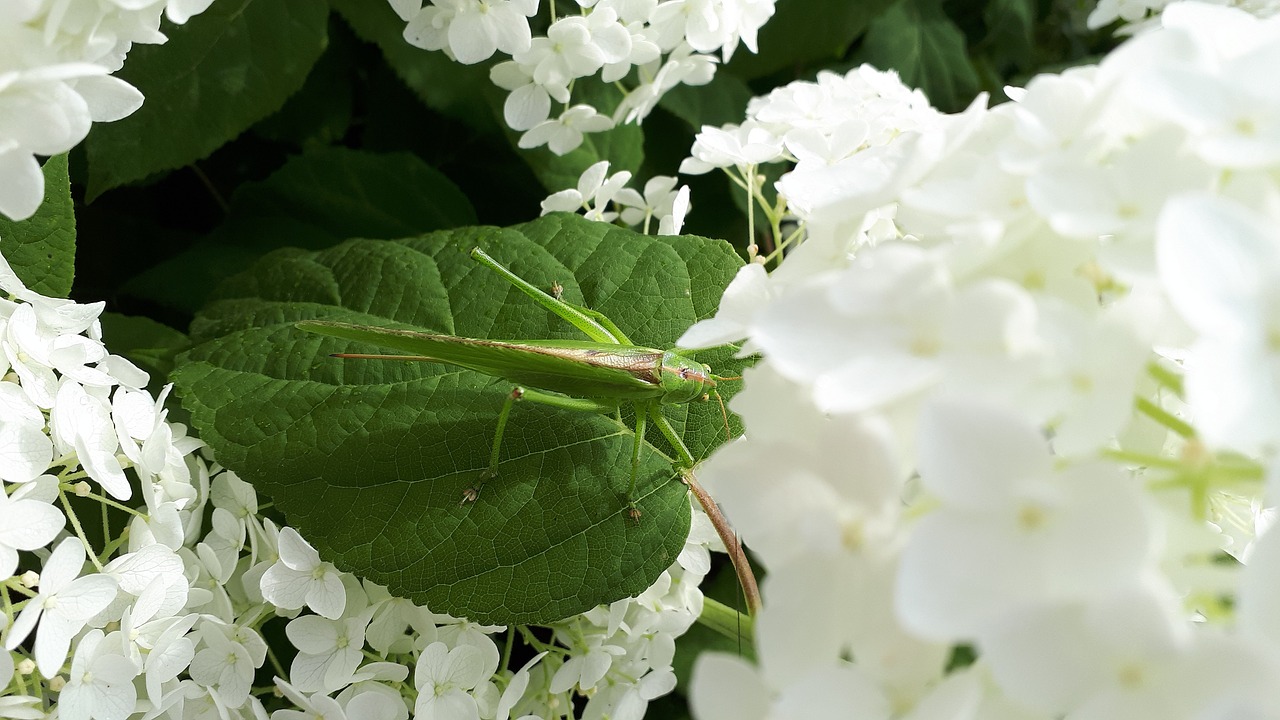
(595, 375)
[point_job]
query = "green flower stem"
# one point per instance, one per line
(506, 650)
(532, 641)
(275, 662)
(108, 502)
(785, 242)
(15, 585)
(1165, 377)
(752, 248)
(113, 545)
(1165, 418)
(727, 621)
(75, 524)
(1143, 460)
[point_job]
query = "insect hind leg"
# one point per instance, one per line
(473, 491)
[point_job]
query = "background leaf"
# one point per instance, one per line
(457, 90)
(316, 200)
(916, 38)
(42, 248)
(723, 100)
(150, 345)
(218, 74)
(369, 460)
(805, 32)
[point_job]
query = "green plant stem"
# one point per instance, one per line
(752, 248)
(1143, 459)
(108, 502)
(75, 524)
(275, 662)
(727, 621)
(1165, 418)
(506, 651)
(1165, 377)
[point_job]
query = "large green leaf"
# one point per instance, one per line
(1011, 27)
(221, 72)
(447, 87)
(916, 38)
(723, 100)
(316, 200)
(805, 32)
(42, 248)
(369, 460)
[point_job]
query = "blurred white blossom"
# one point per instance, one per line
(1017, 391)
(56, 60)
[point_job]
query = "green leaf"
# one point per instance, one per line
(320, 113)
(916, 38)
(42, 248)
(369, 459)
(1010, 32)
(316, 200)
(806, 32)
(223, 71)
(446, 86)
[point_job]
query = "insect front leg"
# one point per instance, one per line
(664, 425)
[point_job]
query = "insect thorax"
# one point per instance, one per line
(683, 378)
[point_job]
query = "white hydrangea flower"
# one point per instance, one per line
(732, 146)
(224, 666)
(329, 651)
(596, 189)
(56, 57)
(25, 524)
(564, 134)
(66, 602)
(711, 25)
(529, 102)
(682, 66)
(1218, 261)
(100, 684)
(445, 679)
(299, 578)
(82, 423)
(25, 449)
(472, 30)
(1011, 532)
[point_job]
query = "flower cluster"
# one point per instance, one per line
(56, 60)
(157, 608)
(646, 46)
(819, 128)
(597, 189)
(1011, 457)
(1138, 15)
